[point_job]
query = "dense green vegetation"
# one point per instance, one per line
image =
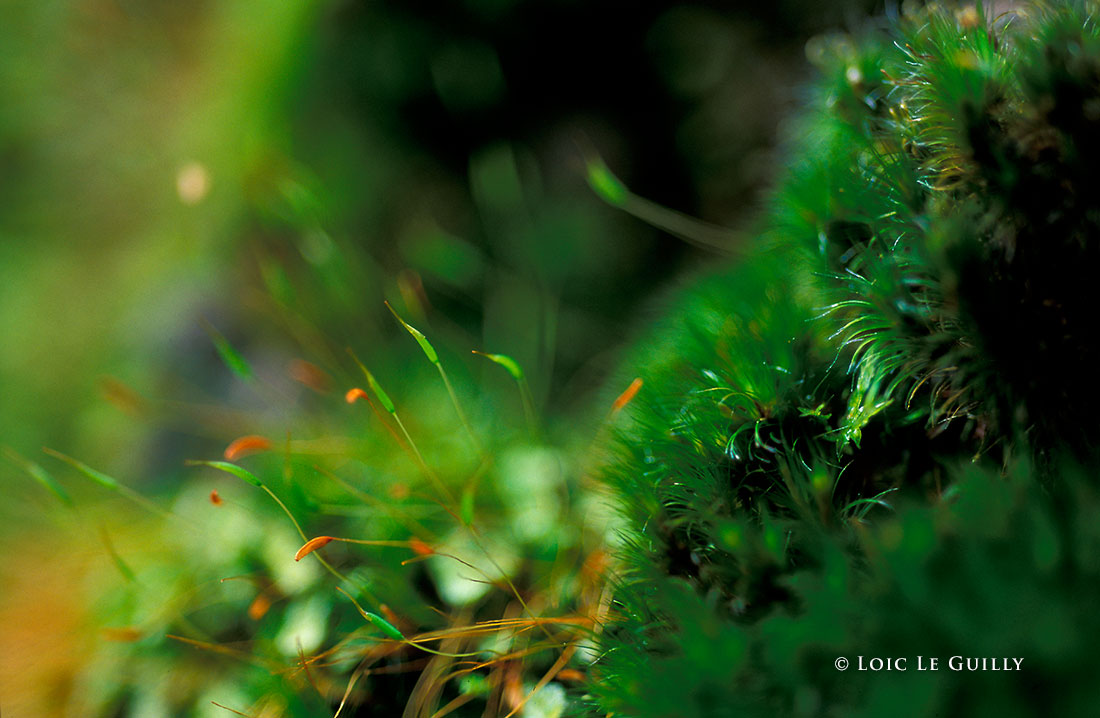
(875, 437)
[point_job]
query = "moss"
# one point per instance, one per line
(866, 438)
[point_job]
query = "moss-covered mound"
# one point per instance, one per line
(874, 437)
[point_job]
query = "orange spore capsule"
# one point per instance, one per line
(246, 445)
(354, 394)
(421, 548)
(627, 395)
(309, 374)
(312, 545)
(215, 498)
(259, 607)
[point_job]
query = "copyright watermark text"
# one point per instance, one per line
(929, 663)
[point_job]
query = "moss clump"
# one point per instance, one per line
(875, 436)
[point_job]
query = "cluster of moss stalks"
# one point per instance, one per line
(875, 436)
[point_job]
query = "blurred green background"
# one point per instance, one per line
(273, 173)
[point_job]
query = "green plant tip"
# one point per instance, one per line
(97, 476)
(239, 472)
(609, 187)
(510, 364)
(429, 350)
(385, 626)
(230, 356)
(40, 475)
(375, 387)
